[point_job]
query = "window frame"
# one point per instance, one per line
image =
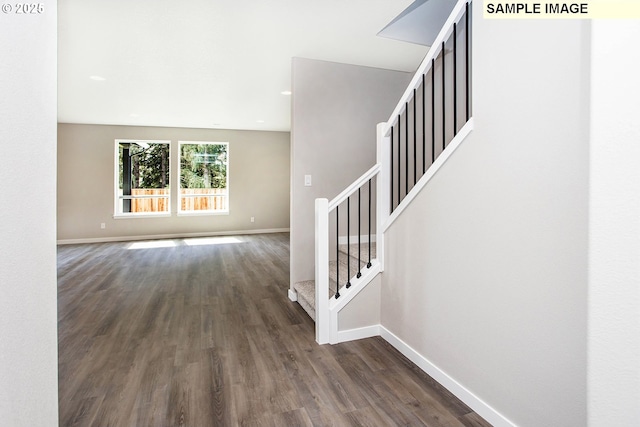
(117, 198)
(179, 187)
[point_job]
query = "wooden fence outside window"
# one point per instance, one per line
(192, 199)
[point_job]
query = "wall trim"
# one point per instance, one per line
(461, 392)
(358, 333)
(293, 295)
(169, 236)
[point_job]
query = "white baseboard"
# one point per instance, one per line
(359, 333)
(169, 236)
(462, 393)
(293, 295)
(473, 401)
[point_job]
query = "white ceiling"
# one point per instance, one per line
(210, 63)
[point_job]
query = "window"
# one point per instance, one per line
(204, 177)
(142, 178)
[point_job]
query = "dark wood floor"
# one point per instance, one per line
(204, 335)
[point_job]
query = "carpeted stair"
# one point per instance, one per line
(306, 289)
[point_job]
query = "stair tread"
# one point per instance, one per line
(343, 269)
(306, 289)
(364, 250)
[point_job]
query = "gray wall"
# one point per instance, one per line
(486, 273)
(258, 179)
(358, 313)
(333, 138)
(28, 319)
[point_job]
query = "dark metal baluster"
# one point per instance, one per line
(466, 53)
(359, 250)
(337, 252)
(424, 128)
(455, 80)
(391, 211)
(433, 110)
(348, 242)
(444, 124)
(399, 144)
(369, 256)
(406, 148)
(415, 149)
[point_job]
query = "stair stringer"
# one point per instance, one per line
(346, 296)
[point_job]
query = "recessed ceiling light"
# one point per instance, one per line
(286, 92)
(260, 121)
(98, 78)
(134, 115)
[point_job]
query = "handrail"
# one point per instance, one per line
(354, 186)
(433, 52)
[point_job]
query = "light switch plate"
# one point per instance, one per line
(307, 180)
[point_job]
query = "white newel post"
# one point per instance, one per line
(383, 186)
(322, 271)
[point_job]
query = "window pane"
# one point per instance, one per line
(203, 177)
(143, 181)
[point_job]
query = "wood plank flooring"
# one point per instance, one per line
(201, 333)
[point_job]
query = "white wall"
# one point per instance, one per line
(335, 110)
(486, 273)
(28, 339)
(614, 241)
(259, 166)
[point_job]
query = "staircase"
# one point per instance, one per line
(306, 290)
(433, 117)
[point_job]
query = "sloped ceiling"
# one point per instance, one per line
(420, 22)
(210, 63)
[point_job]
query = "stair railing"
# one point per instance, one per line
(430, 110)
(347, 220)
(433, 114)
